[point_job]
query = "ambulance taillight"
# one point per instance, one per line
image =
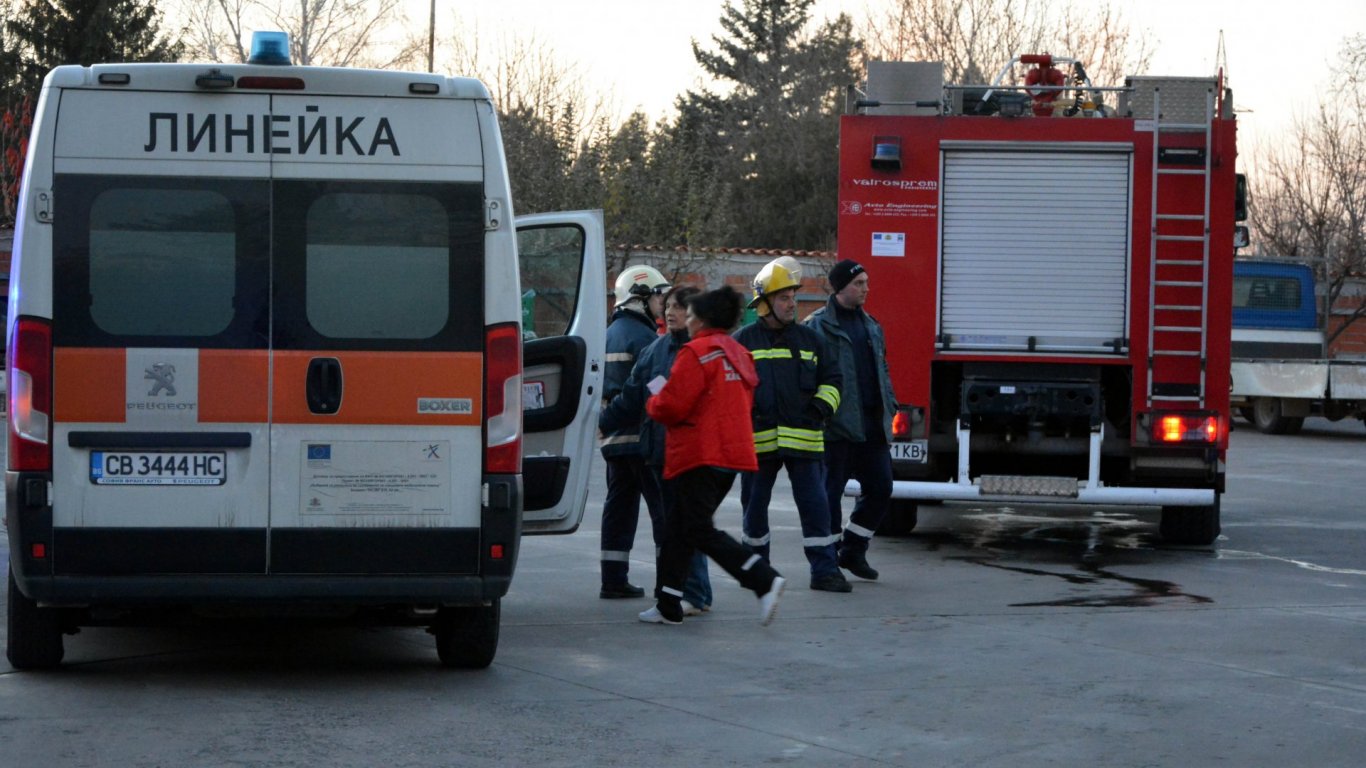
(30, 396)
(503, 399)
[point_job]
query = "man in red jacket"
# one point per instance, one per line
(705, 406)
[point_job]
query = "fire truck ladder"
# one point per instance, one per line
(1175, 274)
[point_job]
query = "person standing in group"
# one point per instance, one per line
(628, 407)
(639, 301)
(857, 438)
(799, 390)
(705, 406)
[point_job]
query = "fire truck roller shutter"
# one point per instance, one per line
(1035, 249)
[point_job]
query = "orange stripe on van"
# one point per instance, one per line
(383, 387)
(233, 386)
(88, 385)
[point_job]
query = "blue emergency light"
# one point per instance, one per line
(270, 48)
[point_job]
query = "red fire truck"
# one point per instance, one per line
(1052, 264)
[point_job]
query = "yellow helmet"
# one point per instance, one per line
(780, 274)
(639, 281)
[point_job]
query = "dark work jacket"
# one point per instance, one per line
(848, 423)
(799, 388)
(628, 334)
(628, 407)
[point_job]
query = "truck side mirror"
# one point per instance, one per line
(1240, 198)
(1240, 236)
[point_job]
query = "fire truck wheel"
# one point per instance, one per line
(900, 520)
(34, 638)
(467, 638)
(1191, 526)
(1266, 415)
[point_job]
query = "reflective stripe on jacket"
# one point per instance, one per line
(628, 407)
(799, 389)
(627, 335)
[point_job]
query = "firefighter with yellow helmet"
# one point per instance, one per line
(798, 392)
(639, 291)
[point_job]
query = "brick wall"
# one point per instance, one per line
(736, 267)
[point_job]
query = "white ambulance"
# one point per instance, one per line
(270, 342)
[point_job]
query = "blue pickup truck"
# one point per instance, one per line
(1280, 369)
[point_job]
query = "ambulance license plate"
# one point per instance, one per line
(157, 468)
(914, 450)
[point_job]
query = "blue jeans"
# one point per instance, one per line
(870, 464)
(808, 491)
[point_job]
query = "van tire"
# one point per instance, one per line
(467, 638)
(34, 638)
(1266, 416)
(902, 516)
(1191, 526)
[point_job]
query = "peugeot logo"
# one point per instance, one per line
(163, 374)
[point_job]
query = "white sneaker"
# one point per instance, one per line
(691, 610)
(653, 616)
(768, 603)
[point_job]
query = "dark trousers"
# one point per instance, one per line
(697, 589)
(698, 493)
(870, 464)
(807, 477)
(627, 483)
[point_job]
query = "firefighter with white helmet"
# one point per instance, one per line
(798, 392)
(639, 293)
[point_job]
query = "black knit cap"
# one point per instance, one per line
(844, 273)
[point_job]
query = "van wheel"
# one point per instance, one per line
(467, 638)
(1266, 415)
(1191, 526)
(35, 634)
(900, 520)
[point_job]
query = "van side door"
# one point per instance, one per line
(564, 329)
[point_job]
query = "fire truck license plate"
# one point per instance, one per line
(915, 450)
(128, 468)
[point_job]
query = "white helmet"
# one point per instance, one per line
(639, 281)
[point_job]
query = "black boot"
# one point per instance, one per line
(856, 563)
(831, 582)
(623, 590)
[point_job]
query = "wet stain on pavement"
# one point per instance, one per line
(1081, 550)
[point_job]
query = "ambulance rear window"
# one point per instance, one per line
(162, 262)
(378, 266)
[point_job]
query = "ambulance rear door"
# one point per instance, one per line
(564, 329)
(160, 281)
(378, 244)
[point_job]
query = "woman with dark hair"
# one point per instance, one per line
(705, 406)
(628, 408)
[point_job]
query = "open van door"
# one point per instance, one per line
(564, 330)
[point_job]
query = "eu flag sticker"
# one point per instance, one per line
(320, 452)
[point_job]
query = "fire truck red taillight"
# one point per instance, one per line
(30, 396)
(901, 424)
(1186, 428)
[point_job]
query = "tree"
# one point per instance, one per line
(41, 34)
(48, 33)
(770, 141)
(334, 33)
(975, 39)
(1309, 194)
